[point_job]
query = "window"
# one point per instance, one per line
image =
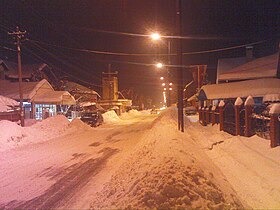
(43, 111)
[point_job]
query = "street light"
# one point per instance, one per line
(163, 84)
(155, 36)
(161, 78)
(170, 84)
(159, 65)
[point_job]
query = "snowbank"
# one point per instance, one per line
(12, 135)
(110, 116)
(165, 172)
(79, 125)
(130, 114)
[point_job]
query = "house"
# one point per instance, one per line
(257, 88)
(9, 109)
(80, 92)
(227, 64)
(30, 72)
(39, 98)
(265, 67)
(7, 104)
(256, 78)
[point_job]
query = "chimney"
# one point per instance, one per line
(249, 53)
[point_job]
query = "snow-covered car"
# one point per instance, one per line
(190, 110)
(94, 119)
(155, 111)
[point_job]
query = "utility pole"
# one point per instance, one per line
(180, 73)
(19, 35)
(168, 73)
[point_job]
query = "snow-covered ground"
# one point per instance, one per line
(136, 160)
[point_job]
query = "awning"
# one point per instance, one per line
(55, 97)
(255, 88)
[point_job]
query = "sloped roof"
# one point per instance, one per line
(55, 97)
(29, 89)
(5, 103)
(255, 88)
(227, 64)
(27, 69)
(260, 68)
(73, 86)
(38, 92)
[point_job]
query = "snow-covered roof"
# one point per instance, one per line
(227, 64)
(55, 97)
(259, 68)
(6, 103)
(255, 88)
(36, 92)
(75, 87)
(271, 97)
(29, 89)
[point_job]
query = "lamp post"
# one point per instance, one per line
(155, 37)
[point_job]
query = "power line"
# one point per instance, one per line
(54, 67)
(192, 37)
(149, 54)
(63, 61)
(95, 51)
(7, 48)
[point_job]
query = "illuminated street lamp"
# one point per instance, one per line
(164, 88)
(161, 78)
(155, 36)
(163, 84)
(170, 88)
(159, 65)
(170, 84)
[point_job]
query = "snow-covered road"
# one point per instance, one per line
(52, 173)
(139, 161)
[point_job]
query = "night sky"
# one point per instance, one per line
(86, 25)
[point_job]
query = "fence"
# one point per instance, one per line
(243, 120)
(11, 116)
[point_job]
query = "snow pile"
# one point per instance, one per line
(51, 127)
(110, 116)
(239, 158)
(148, 111)
(13, 135)
(164, 172)
(10, 131)
(6, 103)
(130, 114)
(77, 124)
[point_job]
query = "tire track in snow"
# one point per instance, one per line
(66, 187)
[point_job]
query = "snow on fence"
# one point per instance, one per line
(245, 119)
(11, 116)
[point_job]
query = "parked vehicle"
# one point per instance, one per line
(94, 119)
(155, 111)
(190, 110)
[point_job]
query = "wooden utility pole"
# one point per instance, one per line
(180, 74)
(19, 35)
(168, 73)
